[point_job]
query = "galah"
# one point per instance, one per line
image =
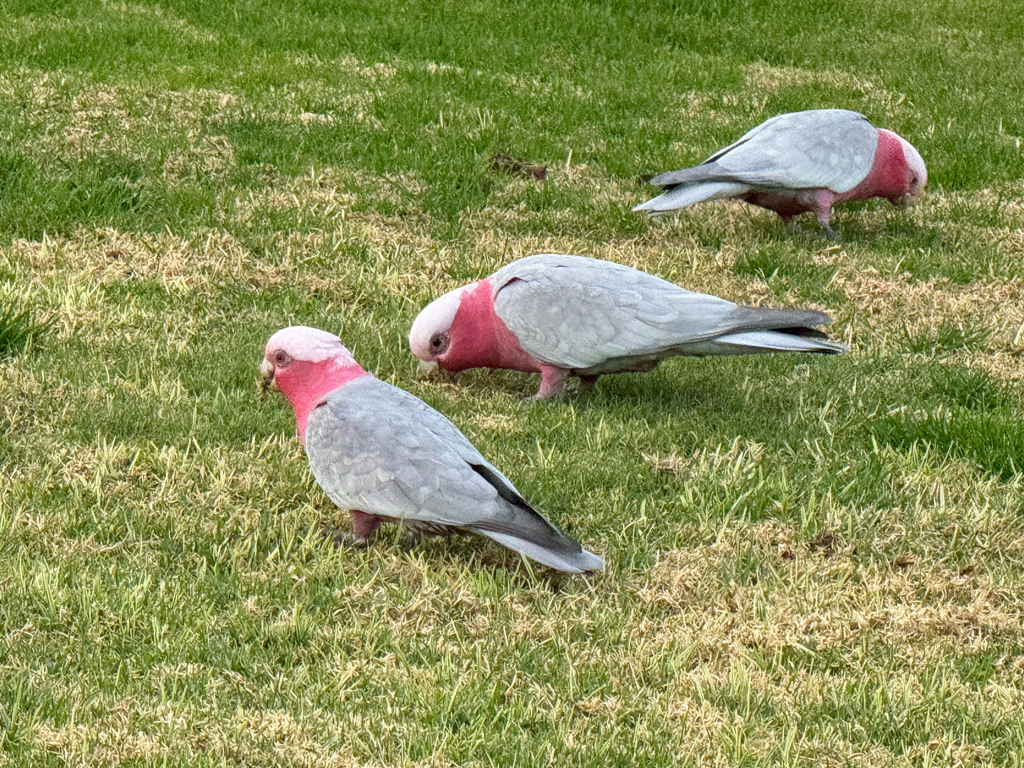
(574, 316)
(385, 455)
(801, 161)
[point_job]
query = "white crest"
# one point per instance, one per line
(915, 162)
(309, 344)
(437, 317)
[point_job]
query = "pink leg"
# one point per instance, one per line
(825, 199)
(363, 525)
(552, 382)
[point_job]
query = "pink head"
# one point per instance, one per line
(306, 364)
(430, 335)
(898, 173)
(461, 330)
(917, 174)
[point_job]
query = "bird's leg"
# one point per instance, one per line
(552, 382)
(363, 528)
(364, 525)
(824, 200)
(412, 536)
(586, 384)
(789, 221)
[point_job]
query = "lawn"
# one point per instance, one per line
(811, 561)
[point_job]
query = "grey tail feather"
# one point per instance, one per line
(528, 532)
(801, 322)
(685, 195)
(695, 175)
(570, 562)
(793, 330)
(779, 341)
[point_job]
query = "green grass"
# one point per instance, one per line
(17, 329)
(810, 561)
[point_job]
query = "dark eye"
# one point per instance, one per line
(438, 343)
(281, 358)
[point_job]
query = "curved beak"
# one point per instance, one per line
(427, 369)
(430, 370)
(266, 380)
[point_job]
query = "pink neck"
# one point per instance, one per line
(888, 174)
(479, 339)
(306, 384)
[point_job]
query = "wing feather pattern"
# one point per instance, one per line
(376, 448)
(594, 316)
(821, 148)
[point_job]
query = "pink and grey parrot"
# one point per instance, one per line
(383, 454)
(801, 161)
(566, 316)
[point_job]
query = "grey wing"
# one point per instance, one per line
(821, 148)
(577, 313)
(378, 449)
(830, 148)
(767, 126)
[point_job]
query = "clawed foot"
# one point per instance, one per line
(585, 387)
(547, 397)
(347, 539)
(829, 232)
(411, 538)
(539, 398)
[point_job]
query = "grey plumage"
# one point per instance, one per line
(375, 448)
(591, 317)
(830, 149)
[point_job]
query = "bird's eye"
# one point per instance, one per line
(281, 358)
(438, 343)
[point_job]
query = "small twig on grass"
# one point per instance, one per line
(508, 164)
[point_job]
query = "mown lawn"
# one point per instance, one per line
(811, 561)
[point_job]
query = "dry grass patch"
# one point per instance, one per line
(824, 601)
(786, 584)
(997, 307)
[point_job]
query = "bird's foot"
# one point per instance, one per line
(552, 383)
(585, 386)
(346, 538)
(411, 537)
(557, 396)
(539, 398)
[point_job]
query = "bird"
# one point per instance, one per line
(798, 162)
(561, 315)
(384, 455)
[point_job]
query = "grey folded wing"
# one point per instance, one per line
(577, 313)
(376, 448)
(821, 148)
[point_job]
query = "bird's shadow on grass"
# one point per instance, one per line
(894, 227)
(660, 392)
(851, 225)
(701, 392)
(456, 553)
(482, 383)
